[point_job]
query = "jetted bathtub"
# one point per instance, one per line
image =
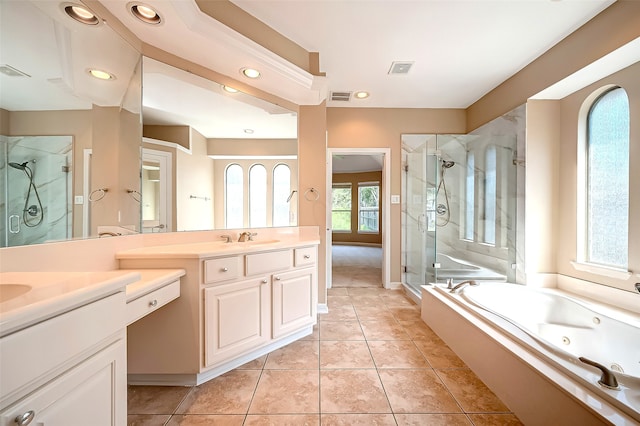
(546, 329)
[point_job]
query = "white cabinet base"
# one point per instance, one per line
(197, 379)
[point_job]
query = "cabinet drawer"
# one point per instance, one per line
(305, 256)
(260, 263)
(222, 269)
(29, 354)
(148, 303)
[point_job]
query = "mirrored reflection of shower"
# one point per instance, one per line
(32, 214)
(443, 209)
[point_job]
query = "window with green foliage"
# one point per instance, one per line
(368, 207)
(341, 208)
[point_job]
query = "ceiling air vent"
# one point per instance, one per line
(11, 71)
(400, 67)
(341, 96)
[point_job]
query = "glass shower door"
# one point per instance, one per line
(418, 215)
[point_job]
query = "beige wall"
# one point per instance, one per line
(541, 187)
(312, 165)
(177, 134)
(252, 147)
(356, 237)
(194, 174)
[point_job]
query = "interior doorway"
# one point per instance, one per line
(347, 160)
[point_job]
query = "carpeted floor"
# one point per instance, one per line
(356, 266)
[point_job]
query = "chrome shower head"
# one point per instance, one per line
(19, 166)
(447, 164)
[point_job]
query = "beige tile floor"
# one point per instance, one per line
(370, 361)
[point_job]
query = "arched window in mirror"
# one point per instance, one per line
(281, 194)
(490, 198)
(607, 180)
(234, 190)
(257, 196)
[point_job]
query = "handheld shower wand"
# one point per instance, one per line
(444, 209)
(28, 211)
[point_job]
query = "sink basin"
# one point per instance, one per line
(10, 291)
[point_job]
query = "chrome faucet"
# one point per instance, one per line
(607, 379)
(461, 285)
(247, 236)
(227, 238)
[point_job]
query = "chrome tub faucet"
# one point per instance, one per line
(459, 286)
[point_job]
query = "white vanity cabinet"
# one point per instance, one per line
(237, 303)
(67, 370)
(244, 311)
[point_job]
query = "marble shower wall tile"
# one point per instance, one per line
(49, 158)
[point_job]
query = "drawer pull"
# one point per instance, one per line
(264, 281)
(277, 278)
(25, 418)
(306, 256)
(153, 303)
(224, 269)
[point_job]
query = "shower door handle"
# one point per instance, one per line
(421, 227)
(14, 224)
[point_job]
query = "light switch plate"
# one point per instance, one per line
(78, 199)
(395, 199)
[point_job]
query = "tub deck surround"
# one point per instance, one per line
(522, 370)
(53, 293)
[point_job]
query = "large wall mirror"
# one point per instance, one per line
(214, 157)
(63, 131)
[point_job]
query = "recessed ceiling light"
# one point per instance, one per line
(361, 94)
(100, 74)
(248, 131)
(250, 72)
(81, 14)
(229, 89)
(145, 13)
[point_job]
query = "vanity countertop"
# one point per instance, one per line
(150, 280)
(206, 249)
(30, 297)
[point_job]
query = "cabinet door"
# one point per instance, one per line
(92, 393)
(236, 318)
(294, 301)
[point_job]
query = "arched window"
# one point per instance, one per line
(281, 193)
(490, 198)
(257, 196)
(234, 190)
(606, 180)
(469, 210)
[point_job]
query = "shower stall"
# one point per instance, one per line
(459, 212)
(35, 189)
